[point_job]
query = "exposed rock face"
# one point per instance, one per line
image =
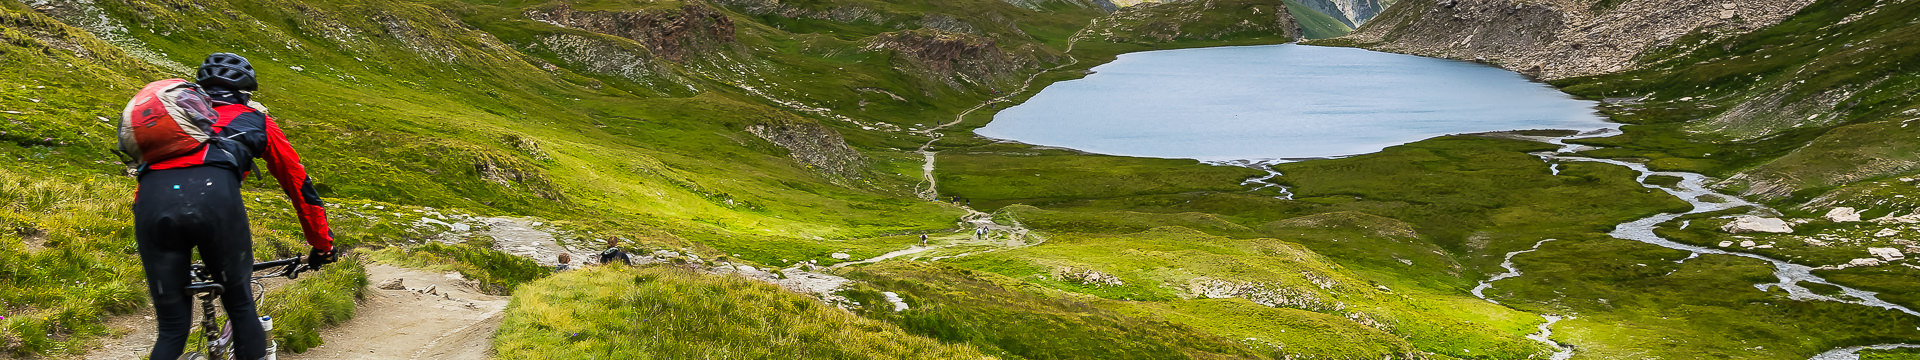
(816, 146)
(1555, 39)
(1752, 224)
(671, 35)
(1351, 12)
(950, 57)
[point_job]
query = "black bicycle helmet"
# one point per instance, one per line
(226, 71)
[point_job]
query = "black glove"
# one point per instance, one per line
(316, 258)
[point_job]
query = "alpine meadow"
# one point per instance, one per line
(801, 179)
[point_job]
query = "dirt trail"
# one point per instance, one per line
(436, 316)
(133, 344)
(931, 192)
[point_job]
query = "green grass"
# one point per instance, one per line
(995, 314)
(317, 300)
(661, 312)
(497, 272)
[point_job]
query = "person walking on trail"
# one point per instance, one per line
(613, 252)
(566, 263)
(193, 201)
(923, 239)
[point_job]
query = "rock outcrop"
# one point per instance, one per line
(670, 34)
(1842, 214)
(1557, 39)
(1888, 254)
(1753, 224)
(952, 58)
(815, 146)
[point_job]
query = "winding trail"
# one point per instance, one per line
(931, 192)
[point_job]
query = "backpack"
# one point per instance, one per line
(167, 119)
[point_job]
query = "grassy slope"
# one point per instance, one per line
(1855, 50)
(668, 313)
(1316, 25)
(615, 155)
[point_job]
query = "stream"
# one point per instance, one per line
(1693, 189)
(1259, 182)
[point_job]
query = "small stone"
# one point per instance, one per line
(1727, 14)
(841, 256)
(1726, 243)
(1746, 243)
(1886, 233)
(1727, 6)
(392, 284)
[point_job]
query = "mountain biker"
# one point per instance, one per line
(193, 201)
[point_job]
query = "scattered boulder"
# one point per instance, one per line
(1903, 219)
(1888, 254)
(392, 284)
(1843, 214)
(1746, 243)
(841, 256)
(1886, 233)
(1726, 243)
(1864, 262)
(1752, 224)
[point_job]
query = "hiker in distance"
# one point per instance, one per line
(613, 252)
(189, 196)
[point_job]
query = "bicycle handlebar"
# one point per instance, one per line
(294, 266)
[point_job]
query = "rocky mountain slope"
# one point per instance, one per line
(1775, 83)
(1353, 13)
(1563, 38)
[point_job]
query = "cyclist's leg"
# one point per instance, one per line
(165, 222)
(228, 251)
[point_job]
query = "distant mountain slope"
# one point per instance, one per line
(1799, 96)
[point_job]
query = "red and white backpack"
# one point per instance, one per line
(168, 118)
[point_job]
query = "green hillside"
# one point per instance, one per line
(720, 135)
(1317, 25)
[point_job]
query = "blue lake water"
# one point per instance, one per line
(1281, 101)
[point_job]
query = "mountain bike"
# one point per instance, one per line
(219, 342)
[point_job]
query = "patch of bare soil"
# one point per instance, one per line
(432, 316)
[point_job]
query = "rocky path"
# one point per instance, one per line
(415, 315)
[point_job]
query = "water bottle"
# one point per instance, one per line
(266, 323)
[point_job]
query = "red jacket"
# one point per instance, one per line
(245, 134)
